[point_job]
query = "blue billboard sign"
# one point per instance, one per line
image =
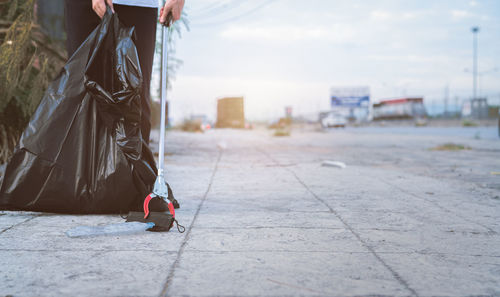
(350, 101)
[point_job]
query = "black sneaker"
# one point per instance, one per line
(172, 198)
(157, 204)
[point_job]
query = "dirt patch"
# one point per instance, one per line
(451, 147)
(281, 133)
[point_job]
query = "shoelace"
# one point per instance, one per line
(179, 227)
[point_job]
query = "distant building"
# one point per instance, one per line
(350, 102)
(201, 120)
(288, 111)
(230, 113)
(400, 108)
(475, 108)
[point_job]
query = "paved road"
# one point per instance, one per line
(490, 133)
(264, 218)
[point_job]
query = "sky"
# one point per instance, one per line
(291, 53)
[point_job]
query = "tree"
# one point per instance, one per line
(175, 33)
(28, 60)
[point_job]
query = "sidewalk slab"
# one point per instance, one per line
(264, 218)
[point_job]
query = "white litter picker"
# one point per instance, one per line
(163, 220)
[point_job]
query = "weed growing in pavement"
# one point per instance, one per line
(450, 147)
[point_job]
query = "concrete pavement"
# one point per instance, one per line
(264, 218)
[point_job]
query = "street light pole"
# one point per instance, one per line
(475, 30)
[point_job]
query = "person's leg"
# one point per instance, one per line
(80, 20)
(144, 20)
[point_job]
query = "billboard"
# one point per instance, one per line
(350, 97)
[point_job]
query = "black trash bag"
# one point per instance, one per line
(82, 151)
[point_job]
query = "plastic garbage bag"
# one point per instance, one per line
(82, 151)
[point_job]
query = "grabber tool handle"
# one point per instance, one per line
(163, 91)
(169, 19)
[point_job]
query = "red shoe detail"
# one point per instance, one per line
(146, 205)
(171, 208)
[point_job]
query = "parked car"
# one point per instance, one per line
(334, 120)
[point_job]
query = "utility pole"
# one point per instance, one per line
(446, 97)
(475, 30)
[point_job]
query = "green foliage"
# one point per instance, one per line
(469, 123)
(175, 33)
(281, 132)
(451, 147)
(13, 10)
(27, 62)
(191, 126)
(14, 52)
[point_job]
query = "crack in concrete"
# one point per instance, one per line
(171, 273)
(396, 275)
(490, 231)
(15, 225)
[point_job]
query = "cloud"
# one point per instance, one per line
(380, 15)
(464, 14)
(409, 58)
(390, 16)
(290, 33)
(460, 14)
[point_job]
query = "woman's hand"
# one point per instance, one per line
(99, 6)
(174, 6)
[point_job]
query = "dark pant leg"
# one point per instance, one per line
(81, 20)
(144, 20)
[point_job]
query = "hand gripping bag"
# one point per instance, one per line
(82, 151)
